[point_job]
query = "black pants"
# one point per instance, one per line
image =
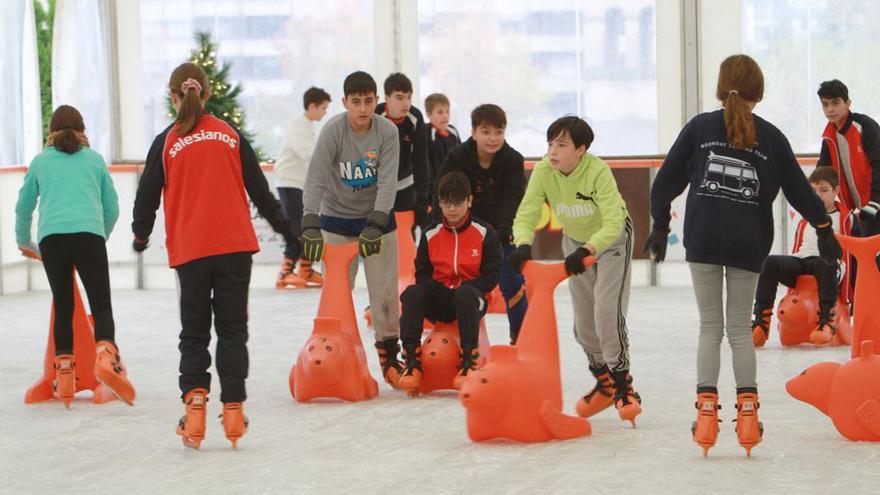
(786, 269)
(465, 305)
(218, 286)
(87, 253)
(292, 205)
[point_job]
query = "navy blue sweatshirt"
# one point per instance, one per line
(412, 174)
(729, 213)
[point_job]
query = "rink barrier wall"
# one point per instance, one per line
(129, 270)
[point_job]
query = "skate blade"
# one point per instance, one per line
(113, 391)
(412, 392)
(193, 443)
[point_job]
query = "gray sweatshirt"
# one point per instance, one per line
(351, 175)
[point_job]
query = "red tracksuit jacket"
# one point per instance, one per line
(205, 179)
(469, 254)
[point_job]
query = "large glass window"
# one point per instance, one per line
(799, 44)
(277, 49)
(542, 59)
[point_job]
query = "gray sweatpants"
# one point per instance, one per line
(708, 287)
(381, 272)
(600, 297)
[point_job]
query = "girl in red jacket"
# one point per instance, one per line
(205, 170)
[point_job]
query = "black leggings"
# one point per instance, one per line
(87, 253)
(292, 205)
(437, 303)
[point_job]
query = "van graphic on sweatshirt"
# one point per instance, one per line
(730, 178)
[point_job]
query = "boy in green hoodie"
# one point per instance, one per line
(583, 193)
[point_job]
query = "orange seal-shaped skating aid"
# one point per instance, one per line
(798, 315)
(850, 393)
(332, 363)
(441, 355)
(84, 354)
(518, 393)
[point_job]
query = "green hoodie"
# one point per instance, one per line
(587, 203)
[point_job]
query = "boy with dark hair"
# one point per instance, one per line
(595, 222)
(497, 177)
(804, 260)
(290, 177)
(412, 173)
(457, 264)
(349, 196)
(442, 136)
(851, 145)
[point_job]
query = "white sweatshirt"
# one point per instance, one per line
(293, 161)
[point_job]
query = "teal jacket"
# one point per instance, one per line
(75, 194)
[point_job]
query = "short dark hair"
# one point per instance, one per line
(828, 174)
(833, 89)
(314, 96)
(454, 186)
(435, 99)
(488, 114)
(398, 82)
(359, 83)
(577, 129)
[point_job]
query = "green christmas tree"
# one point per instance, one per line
(223, 102)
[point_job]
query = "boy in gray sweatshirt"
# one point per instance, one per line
(348, 196)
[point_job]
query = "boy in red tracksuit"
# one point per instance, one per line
(204, 170)
(457, 264)
(804, 260)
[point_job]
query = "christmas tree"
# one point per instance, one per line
(223, 102)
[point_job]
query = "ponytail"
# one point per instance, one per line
(190, 84)
(740, 122)
(740, 82)
(67, 130)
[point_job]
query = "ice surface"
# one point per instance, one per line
(397, 444)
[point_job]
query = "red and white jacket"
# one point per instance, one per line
(205, 178)
(845, 226)
(469, 254)
(860, 139)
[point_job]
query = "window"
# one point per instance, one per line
(277, 49)
(540, 61)
(799, 45)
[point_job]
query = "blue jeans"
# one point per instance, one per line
(511, 282)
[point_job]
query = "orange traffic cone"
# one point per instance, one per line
(84, 354)
(518, 393)
(332, 363)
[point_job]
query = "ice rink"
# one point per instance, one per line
(395, 444)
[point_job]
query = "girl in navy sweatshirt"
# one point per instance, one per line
(735, 163)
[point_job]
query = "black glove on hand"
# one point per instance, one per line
(505, 234)
(869, 216)
(829, 248)
(574, 262)
(421, 215)
(519, 256)
(140, 245)
(370, 240)
(312, 239)
(656, 244)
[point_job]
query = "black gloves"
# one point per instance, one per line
(519, 256)
(829, 248)
(370, 240)
(421, 216)
(656, 244)
(312, 239)
(140, 245)
(574, 262)
(505, 234)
